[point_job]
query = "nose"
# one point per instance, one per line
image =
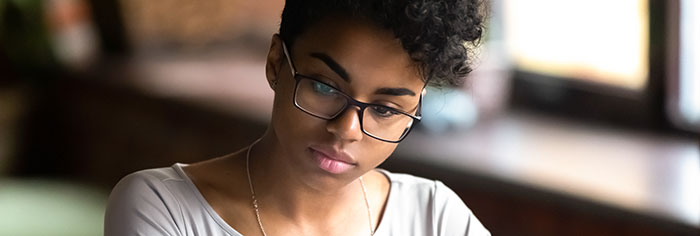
(346, 126)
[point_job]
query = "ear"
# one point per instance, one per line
(275, 58)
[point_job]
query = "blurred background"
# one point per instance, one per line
(581, 117)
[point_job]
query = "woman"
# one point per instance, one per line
(348, 77)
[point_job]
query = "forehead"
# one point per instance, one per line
(372, 56)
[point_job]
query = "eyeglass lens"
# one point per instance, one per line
(324, 101)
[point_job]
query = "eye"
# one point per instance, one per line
(323, 89)
(382, 111)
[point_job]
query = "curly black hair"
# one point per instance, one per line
(439, 35)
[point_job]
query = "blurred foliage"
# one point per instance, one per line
(24, 38)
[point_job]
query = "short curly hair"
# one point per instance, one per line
(439, 35)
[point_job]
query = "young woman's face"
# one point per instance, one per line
(363, 61)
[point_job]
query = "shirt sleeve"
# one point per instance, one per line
(452, 216)
(140, 204)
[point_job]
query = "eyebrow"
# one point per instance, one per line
(395, 91)
(332, 64)
(344, 74)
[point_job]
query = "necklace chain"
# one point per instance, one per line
(252, 191)
(255, 201)
(369, 209)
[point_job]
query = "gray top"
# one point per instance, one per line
(165, 201)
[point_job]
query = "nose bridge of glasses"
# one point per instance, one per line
(347, 124)
(348, 107)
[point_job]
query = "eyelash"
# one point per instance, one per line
(328, 81)
(389, 104)
(325, 79)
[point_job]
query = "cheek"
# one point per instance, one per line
(291, 125)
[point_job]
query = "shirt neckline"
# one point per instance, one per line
(217, 218)
(229, 229)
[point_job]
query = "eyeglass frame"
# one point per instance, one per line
(350, 102)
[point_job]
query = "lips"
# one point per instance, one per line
(332, 161)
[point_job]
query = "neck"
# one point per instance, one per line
(282, 189)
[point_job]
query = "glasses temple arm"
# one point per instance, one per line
(289, 59)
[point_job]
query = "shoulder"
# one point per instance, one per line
(144, 202)
(148, 177)
(407, 180)
(451, 214)
(145, 184)
(439, 208)
(413, 189)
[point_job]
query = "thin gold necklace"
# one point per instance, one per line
(255, 201)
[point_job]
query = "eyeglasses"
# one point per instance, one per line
(324, 101)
